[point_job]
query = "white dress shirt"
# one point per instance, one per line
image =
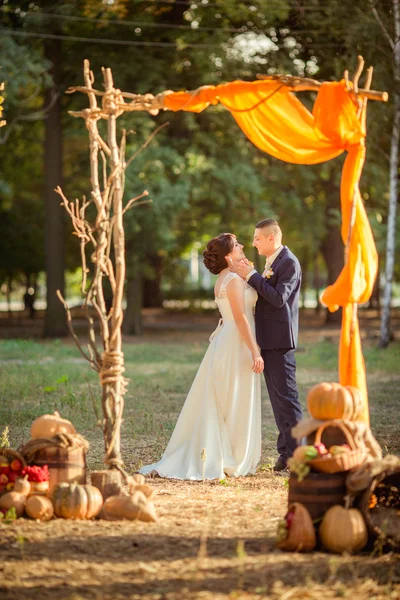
(269, 261)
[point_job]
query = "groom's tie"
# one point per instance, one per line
(270, 260)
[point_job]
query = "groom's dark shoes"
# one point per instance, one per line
(281, 464)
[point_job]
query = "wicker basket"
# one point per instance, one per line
(11, 454)
(383, 521)
(340, 462)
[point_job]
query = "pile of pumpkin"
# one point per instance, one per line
(75, 501)
(29, 491)
(342, 528)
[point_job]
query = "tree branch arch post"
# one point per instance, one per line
(106, 239)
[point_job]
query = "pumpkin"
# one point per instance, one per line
(296, 533)
(74, 501)
(329, 401)
(39, 507)
(343, 530)
(138, 478)
(136, 484)
(145, 489)
(50, 425)
(22, 486)
(13, 499)
(128, 507)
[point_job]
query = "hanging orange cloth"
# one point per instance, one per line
(277, 122)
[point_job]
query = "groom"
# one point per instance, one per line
(277, 320)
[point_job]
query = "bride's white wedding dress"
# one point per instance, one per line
(218, 431)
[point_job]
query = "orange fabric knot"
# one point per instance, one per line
(335, 114)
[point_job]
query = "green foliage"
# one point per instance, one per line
(24, 71)
(203, 175)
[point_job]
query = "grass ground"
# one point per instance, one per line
(213, 540)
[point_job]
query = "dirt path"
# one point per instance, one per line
(212, 541)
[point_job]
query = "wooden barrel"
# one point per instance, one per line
(65, 464)
(318, 491)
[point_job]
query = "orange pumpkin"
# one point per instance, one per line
(343, 530)
(328, 401)
(50, 425)
(74, 501)
(131, 507)
(296, 532)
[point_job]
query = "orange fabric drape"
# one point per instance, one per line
(278, 123)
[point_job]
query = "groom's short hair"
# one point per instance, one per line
(270, 224)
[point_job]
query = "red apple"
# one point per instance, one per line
(16, 465)
(13, 476)
(321, 448)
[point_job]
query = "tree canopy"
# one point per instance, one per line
(203, 175)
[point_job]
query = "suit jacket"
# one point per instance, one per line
(277, 307)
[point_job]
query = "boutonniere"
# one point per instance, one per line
(269, 273)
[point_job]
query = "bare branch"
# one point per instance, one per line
(385, 32)
(146, 143)
(357, 74)
(299, 84)
(93, 364)
(105, 233)
(132, 200)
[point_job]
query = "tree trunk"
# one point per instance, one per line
(333, 253)
(133, 322)
(317, 285)
(152, 296)
(55, 322)
(394, 178)
(375, 301)
(8, 296)
(304, 261)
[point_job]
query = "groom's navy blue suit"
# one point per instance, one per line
(277, 323)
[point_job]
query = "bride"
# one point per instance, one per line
(218, 431)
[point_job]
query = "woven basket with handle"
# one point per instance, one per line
(380, 502)
(10, 454)
(344, 461)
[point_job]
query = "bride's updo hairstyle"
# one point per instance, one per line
(217, 249)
